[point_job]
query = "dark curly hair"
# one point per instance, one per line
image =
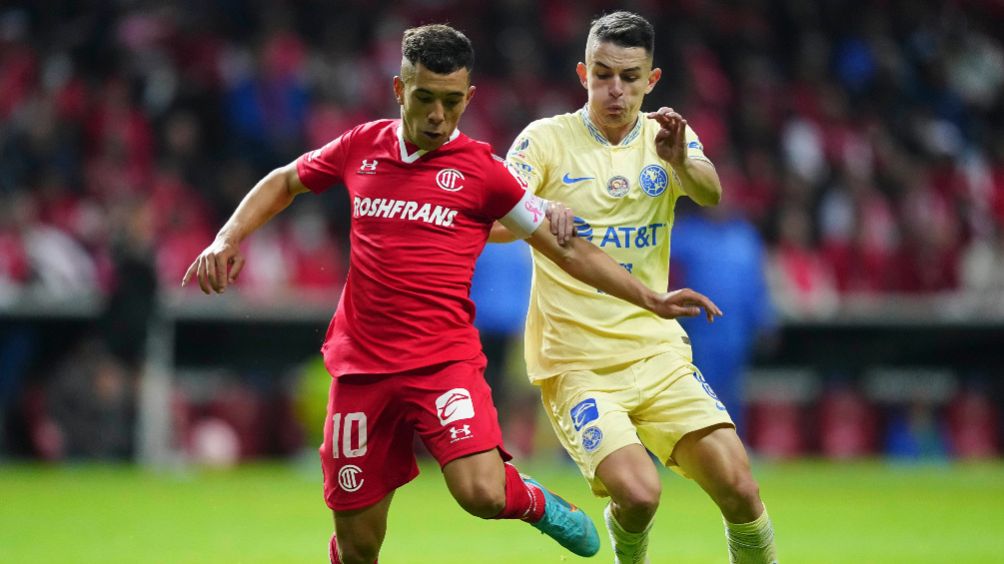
(439, 48)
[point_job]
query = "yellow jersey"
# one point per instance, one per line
(623, 198)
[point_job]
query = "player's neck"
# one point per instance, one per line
(614, 134)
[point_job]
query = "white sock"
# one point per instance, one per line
(753, 542)
(629, 548)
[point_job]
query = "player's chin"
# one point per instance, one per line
(434, 140)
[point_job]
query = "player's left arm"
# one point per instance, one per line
(560, 219)
(697, 174)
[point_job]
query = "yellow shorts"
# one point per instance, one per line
(653, 402)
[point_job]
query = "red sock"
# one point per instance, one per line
(333, 550)
(522, 501)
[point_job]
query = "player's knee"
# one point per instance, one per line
(740, 500)
(481, 498)
(639, 498)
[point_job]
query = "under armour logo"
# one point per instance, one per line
(368, 167)
(458, 433)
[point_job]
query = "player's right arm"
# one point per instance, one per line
(221, 262)
(578, 257)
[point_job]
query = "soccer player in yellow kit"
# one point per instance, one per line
(616, 379)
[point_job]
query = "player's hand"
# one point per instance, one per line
(218, 265)
(686, 303)
(562, 221)
(670, 141)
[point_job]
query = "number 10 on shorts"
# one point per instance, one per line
(352, 431)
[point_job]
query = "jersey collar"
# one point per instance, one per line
(598, 135)
(412, 157)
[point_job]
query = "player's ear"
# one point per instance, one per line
(583, 72)
(470, 93)
(653, 77)
(399, 90)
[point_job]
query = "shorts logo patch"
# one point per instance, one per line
(349, 478)
(709, 391)
(618, 186)
(653, 180)
(591, 438)
(454, 405)
(584, 412)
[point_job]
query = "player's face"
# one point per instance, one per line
(431, 103)
(617, 79)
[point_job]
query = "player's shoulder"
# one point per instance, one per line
(552, 126)
(375, 128)
(480, 150)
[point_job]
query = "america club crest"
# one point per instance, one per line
(591, 438)
(654, 180)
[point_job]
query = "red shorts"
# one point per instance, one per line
(368, 449)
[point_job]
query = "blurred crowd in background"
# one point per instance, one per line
(863, 142)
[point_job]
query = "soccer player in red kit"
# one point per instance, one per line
(402, 349)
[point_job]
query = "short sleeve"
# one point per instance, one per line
(504, 188)
(322, 168)
(527, 159)
(508, 201)
(694, 148)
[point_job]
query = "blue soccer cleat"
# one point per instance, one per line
(565, 523)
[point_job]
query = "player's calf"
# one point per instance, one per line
(629, 547)
(349, 559)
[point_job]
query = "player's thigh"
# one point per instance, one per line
(451, 407)
(630, 477)
(678, 402)
(589, 414)
(363, 529)
(716, 459)
(367, 451)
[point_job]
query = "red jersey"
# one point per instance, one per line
(419, 221)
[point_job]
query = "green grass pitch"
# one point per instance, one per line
(823, 512)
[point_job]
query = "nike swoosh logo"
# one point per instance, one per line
(569, 180)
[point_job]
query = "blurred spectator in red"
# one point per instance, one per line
(928, 254)
(859, 235)
(801, 282)
(776, 429)
(847, 424)
(973, 425)
(317, 259)
(118, 136)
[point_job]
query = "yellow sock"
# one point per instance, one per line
(751, 543)
(629, 548)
